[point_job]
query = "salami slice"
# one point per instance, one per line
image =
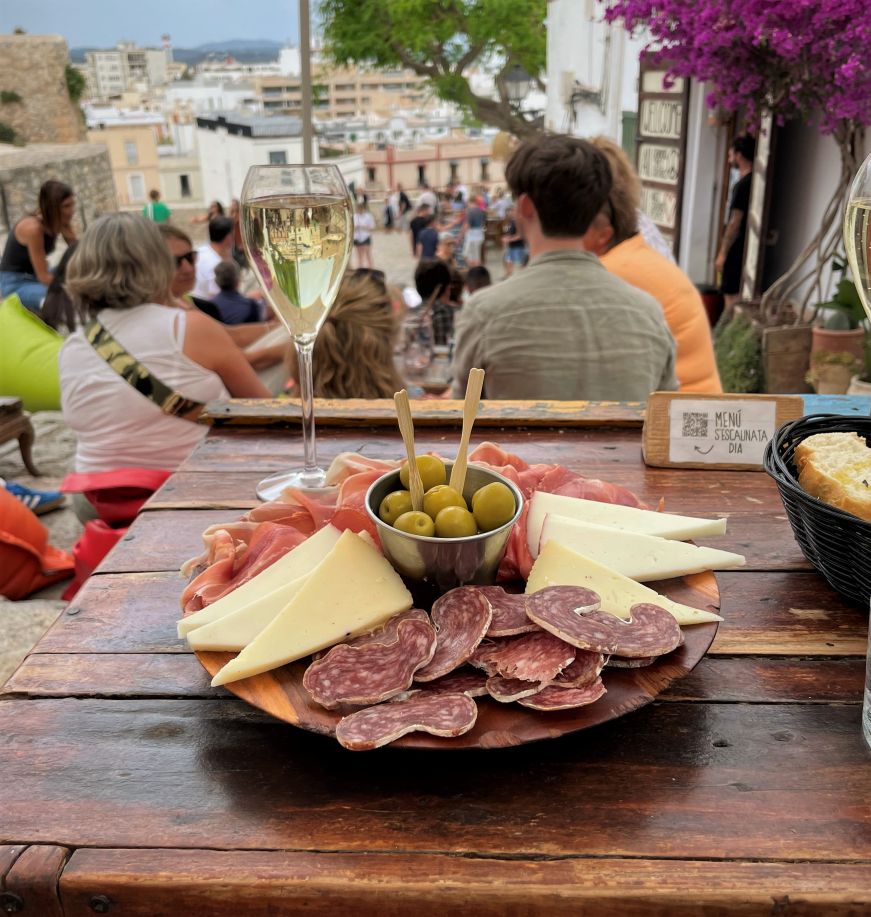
(384, 633)
(461, 618)
(508, 690)
(424, 711)
(464, 680)
(533, 657)
(556, 697)
(371, 672)
(583, 671)
(509, 613)
(650, 631)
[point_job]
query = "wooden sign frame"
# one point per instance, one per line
(718, 431)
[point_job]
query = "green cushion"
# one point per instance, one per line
(28, 357)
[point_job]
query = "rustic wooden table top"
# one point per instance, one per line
(130, 786)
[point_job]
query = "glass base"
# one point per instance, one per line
(270, 488)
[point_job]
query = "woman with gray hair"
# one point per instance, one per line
(135, 378)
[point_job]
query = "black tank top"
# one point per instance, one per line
(17, 258)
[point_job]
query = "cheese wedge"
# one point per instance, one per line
(628, 518)
(640, 557)
(351, 591)
(236, 630)
(560, 566)
(296, 563)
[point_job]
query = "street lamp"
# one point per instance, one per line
(518, 84)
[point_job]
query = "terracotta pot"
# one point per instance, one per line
(852, 341)
(833, 379)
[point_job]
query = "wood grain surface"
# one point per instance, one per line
(143, 883)
(672, 780)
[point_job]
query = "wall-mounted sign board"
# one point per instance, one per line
(688, 430)
(661, 147)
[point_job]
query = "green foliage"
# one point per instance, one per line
(7, 134)
(441, 41)
(738, 348)
(75, 82)
(9, 98)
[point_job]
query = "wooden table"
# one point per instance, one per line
(129, 786)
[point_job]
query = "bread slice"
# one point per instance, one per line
(836, 468)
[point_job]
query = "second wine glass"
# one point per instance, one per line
(297, 226)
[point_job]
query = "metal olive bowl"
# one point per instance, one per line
(446, 562)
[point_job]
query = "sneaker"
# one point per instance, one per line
(37, 501)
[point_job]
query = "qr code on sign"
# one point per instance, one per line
(695, 425)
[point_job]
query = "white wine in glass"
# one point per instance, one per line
(297, 225)
(857, 233)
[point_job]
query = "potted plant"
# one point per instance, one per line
(860, 384)
(839, 322)
(831, 372)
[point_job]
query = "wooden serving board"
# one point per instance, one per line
(281, 694)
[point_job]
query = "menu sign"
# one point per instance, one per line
(661, 145)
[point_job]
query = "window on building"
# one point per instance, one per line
(277, 158)
(455, 171)
(136, 187)
(370, 174)
(485, 169)
(131, 152)
(184, 182)
(421, 175)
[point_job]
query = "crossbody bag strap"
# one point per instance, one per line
(136, 375)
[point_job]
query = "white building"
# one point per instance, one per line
(230, 144)
(125, 67)
(208, 94)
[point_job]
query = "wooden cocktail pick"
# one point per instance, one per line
(474, 385)
(406, 428)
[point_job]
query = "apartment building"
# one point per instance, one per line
(110, 73)
(131, 139)
(345, 93)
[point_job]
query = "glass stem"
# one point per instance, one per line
(307, 404)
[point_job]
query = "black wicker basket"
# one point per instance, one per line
(837, 543)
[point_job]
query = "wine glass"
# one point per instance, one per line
(857, 233)
(297, 226)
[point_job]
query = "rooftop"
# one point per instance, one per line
(253, 125)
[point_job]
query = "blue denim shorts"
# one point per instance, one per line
(28, 289)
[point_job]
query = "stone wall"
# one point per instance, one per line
(84, 166)
(33, 67)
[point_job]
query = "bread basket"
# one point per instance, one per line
(837, 543)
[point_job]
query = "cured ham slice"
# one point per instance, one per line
(509, 613)
(555, 697)
(461, 618)
(371, 672)
(567, 613)
(532, 657)
(424, 711)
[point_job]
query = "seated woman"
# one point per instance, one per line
(140, 410)
(353, 356)
(614, 236)
(24, 268)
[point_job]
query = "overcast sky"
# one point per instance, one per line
(102, 23)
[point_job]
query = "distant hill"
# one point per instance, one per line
(246, 50)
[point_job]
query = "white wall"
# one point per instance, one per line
(602, 58)
(203, 99)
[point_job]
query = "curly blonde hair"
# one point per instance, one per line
(120, 262)
(353, 355)
(625, 196)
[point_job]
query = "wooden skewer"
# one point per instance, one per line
(406, 428)
(474, 385)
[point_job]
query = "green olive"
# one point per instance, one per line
(493, 505)
(394, 505)
(415, 523)
(455, 522)
(439, 497)
(431, 468)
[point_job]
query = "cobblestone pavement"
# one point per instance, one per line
(23, 623)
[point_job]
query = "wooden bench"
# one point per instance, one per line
(15, 424)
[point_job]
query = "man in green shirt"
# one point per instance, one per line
(155, 209)
(564, 328)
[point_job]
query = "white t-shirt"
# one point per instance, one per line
(364, 224)
(207, 260)
(115, 426)
(428, 197)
